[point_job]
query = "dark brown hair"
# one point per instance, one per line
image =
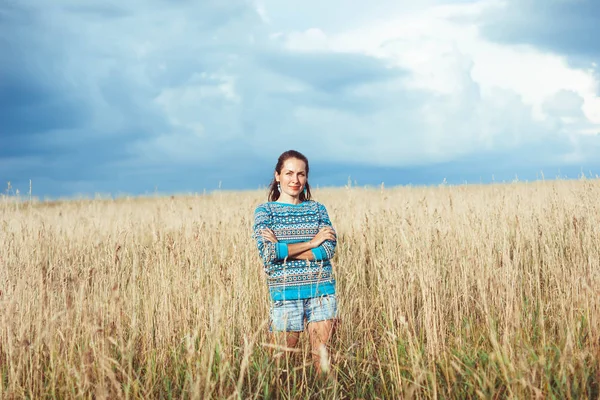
(274, 192)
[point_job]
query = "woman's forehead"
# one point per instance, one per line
(294, 165)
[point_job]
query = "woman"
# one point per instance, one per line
(296, 242)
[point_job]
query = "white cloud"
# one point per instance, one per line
(262, 12)
(396, 83)
(441, 47)
(313, 39)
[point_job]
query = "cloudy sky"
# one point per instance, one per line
(136, 97)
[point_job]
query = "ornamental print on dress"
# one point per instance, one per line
(290, 279)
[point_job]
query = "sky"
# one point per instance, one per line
(141, 97)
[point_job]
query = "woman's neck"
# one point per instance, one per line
(288, 199)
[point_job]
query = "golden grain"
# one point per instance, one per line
(448, 291)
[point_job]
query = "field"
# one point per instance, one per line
(444, 292)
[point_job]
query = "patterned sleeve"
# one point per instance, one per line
(269, 252)
(326, 250)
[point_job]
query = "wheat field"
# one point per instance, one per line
(478, 291)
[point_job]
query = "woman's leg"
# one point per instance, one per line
(321, 324)
(286, 325)
(320, 335)
(283, 351)
(285, 341)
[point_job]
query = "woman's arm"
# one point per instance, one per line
(326, 250)
(310, 250)
(269, 251)
(300, 251)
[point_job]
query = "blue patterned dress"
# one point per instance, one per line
(291, 279)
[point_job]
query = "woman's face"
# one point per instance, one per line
(292, 177)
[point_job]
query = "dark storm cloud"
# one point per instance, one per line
(533, 161)
(332, 72)
(74, 101)
(101, 11)
(113, 96)
(563, 26)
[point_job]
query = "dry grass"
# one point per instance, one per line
(447, 292)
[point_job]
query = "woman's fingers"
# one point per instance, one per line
(325, 233)
(268, 235)
(329, 231)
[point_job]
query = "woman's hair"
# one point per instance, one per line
(274, 192)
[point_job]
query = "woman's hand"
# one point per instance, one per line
(268, 235)
(325, 233)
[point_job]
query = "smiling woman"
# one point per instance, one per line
(296, 242)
